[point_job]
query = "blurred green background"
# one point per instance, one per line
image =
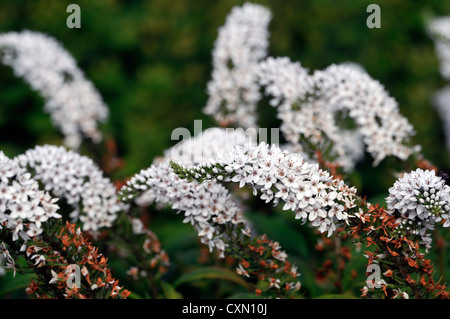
(151, 61)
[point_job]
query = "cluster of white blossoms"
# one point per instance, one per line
(420, 199)
(345, 88)
(78, 180)
(206, 206)
(73, 102)
(281, 177)
(242, 42)
(207, 145)
(284, 81)
(303, 115)
(23, 207)
(309, 107)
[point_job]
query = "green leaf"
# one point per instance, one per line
(21, 281)
(176, 236)
(169, 291)
(211, 273)
(279, 228)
